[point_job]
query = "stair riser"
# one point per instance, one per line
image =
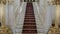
(29, 18)
(28, 14)
(29, 24)
(29, 21)
(29, 27)
(27, 31)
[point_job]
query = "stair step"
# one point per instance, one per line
(30, 11)
(29, 17)
(29, 33)
(29, 27)
(28, 14)
(29, 24)
(29, 20)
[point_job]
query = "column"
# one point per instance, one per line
(6, 13)
(57, 15)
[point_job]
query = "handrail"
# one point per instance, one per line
(40, 16)
(21, 7)
(16, 13)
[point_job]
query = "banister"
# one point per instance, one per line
(16, 13)
(40, 16)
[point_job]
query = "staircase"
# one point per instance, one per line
(29, 26)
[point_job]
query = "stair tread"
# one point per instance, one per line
(29, 17)
(29, 25)
(29, 33)
(29, 22)
(29, 29)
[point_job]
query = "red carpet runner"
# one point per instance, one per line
(29, 26)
